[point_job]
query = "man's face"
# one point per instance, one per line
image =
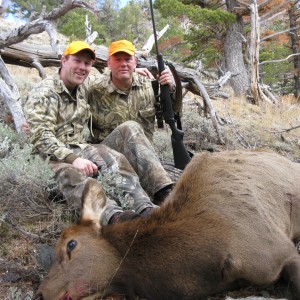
(122, 66)
(75, 69)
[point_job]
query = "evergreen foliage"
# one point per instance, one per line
(26, 7)
(107, 17)
(132, 24)
(72, 26)
(274, 73)
(206, 27)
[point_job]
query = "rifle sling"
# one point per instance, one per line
(178, 92)
(157, 105)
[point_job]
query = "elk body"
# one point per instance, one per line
(230, 221)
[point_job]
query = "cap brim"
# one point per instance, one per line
(122, 50)
(85, 49)
(91, 52)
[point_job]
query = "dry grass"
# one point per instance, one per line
(264, 127)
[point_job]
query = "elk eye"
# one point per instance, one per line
(70, 247)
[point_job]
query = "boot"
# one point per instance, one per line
(123, 216)
(162, 194)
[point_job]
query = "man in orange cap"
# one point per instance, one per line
(124, 97)
(57, 112)
(128, 95)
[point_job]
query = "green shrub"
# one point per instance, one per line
(110, 182)
(162, 144)
(25, 179)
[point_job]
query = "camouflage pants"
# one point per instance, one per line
(130, 140)
(72, 182)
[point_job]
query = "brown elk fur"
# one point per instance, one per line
(230, 221)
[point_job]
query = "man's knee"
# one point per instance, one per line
(130, 126)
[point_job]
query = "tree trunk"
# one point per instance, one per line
(233, 48)
(254, 53)
(295, 46)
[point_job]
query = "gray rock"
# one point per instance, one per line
(44, 256)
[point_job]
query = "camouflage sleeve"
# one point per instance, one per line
(41, 112)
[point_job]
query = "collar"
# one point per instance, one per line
(136, 82)
(60, 87)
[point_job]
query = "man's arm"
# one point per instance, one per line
(41, 130)
(41, 111)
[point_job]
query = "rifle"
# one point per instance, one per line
(181, 155)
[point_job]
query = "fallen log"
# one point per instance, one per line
(42, 56)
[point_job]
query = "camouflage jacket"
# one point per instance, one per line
(56, 118)
(111, 107)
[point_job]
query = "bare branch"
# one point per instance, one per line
(66, 7)
(273, 17)
(51, 30)
(41, 24)
(275, 9)
(90, 37)
(10, 94)
(211, 108)
(265, 89)
(286, 130)
(224, 79)
(262, 4)
(237, 134)
(278, 60)
(149, 45)
(21, 33)
(40, 68)
(24, 55)
(277, 33)
(243, 3)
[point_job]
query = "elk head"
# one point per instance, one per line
(83, 260)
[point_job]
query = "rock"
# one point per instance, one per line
(44, 256)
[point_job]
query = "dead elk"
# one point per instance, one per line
(230, 221)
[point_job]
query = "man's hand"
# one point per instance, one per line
(85, 166)
(167, 78)
(25, 127)
(144, 72)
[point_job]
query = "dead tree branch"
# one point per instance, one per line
(237, 134)
(278, 33)
(211, 109)
(278, 60)
(9, 91)
(285, 130)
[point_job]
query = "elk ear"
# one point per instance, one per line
(93, 202)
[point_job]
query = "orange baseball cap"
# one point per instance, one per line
(78, 46)
(121, 46)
